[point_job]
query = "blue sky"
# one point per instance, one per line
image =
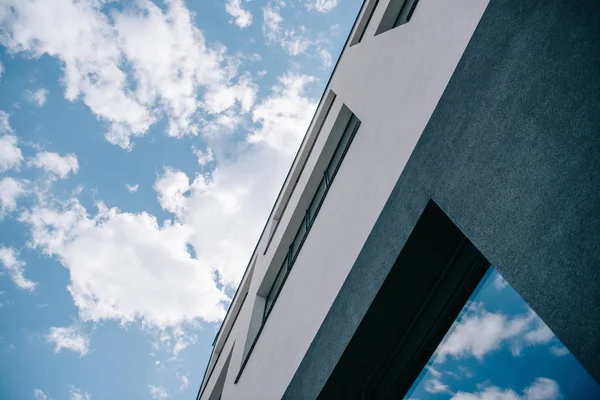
(141, 148)
(499, 349)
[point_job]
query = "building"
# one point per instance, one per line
(452, 132)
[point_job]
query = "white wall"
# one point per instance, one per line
(392, 82)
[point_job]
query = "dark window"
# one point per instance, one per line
(275, 288)
(311, 213)
(406, 11)
(398, 12)
(298, 240)
(315, 204)
(340, 151)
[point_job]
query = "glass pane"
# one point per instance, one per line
(498, 348)
(336, 159)
(297, 243)
(316, 201)
(275, 288)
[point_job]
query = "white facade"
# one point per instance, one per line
(392, 82)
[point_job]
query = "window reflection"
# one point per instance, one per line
(500, 349)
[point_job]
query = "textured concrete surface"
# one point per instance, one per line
(512, 155)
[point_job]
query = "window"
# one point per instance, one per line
(364, 22)
(274, 291)
(498, 347)
(312, 211)
(444, 325)
(398, 13)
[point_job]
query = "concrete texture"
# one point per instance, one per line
(511, 154)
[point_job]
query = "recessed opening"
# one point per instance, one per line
(446, 325)
(499, 348)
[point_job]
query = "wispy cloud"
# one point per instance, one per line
(540, 389)
(77, 394)
(15, 267)
(322, 6)
(38, 97)
(10, 154)
(131, 188)
(158, 392)
(38, 394)
(69, 338)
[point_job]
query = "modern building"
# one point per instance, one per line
(453, 134)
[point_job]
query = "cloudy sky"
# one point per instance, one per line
(500, 349)
(142, 145)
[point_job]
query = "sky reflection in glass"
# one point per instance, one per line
(499, 349)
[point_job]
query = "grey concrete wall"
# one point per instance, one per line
(512, 155)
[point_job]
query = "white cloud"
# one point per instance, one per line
(111, 63)
(77, 394)
(15, 268)
(559, 351)
(499, 282)
(54, 163)
(284, 115)
(322, 6)
(243, 18)
(436, 386)
(38, 97)
(184, 382)
(39, 395)
(540, 389)
(326, 58)
(126, 266)
(171, 188)
(292, 40)
(10, 154)
(69, 338)
(158, 392)
(10, 191)
(204, 157)
(132, 188)
(1, 69)
(480, 332)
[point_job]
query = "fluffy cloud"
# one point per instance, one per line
(243, 18)
(480, 332)
(132, 188)
(77, 394)
(111, 63)
(285, 114)
(54, 163)
(126, 266)
(69, 338)
(322, 6)
(10, 154)
(158, 392)
(15, 268)
(540, 389)
(436, 386)
(10, 190)
(204, 157)
(38, 97)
